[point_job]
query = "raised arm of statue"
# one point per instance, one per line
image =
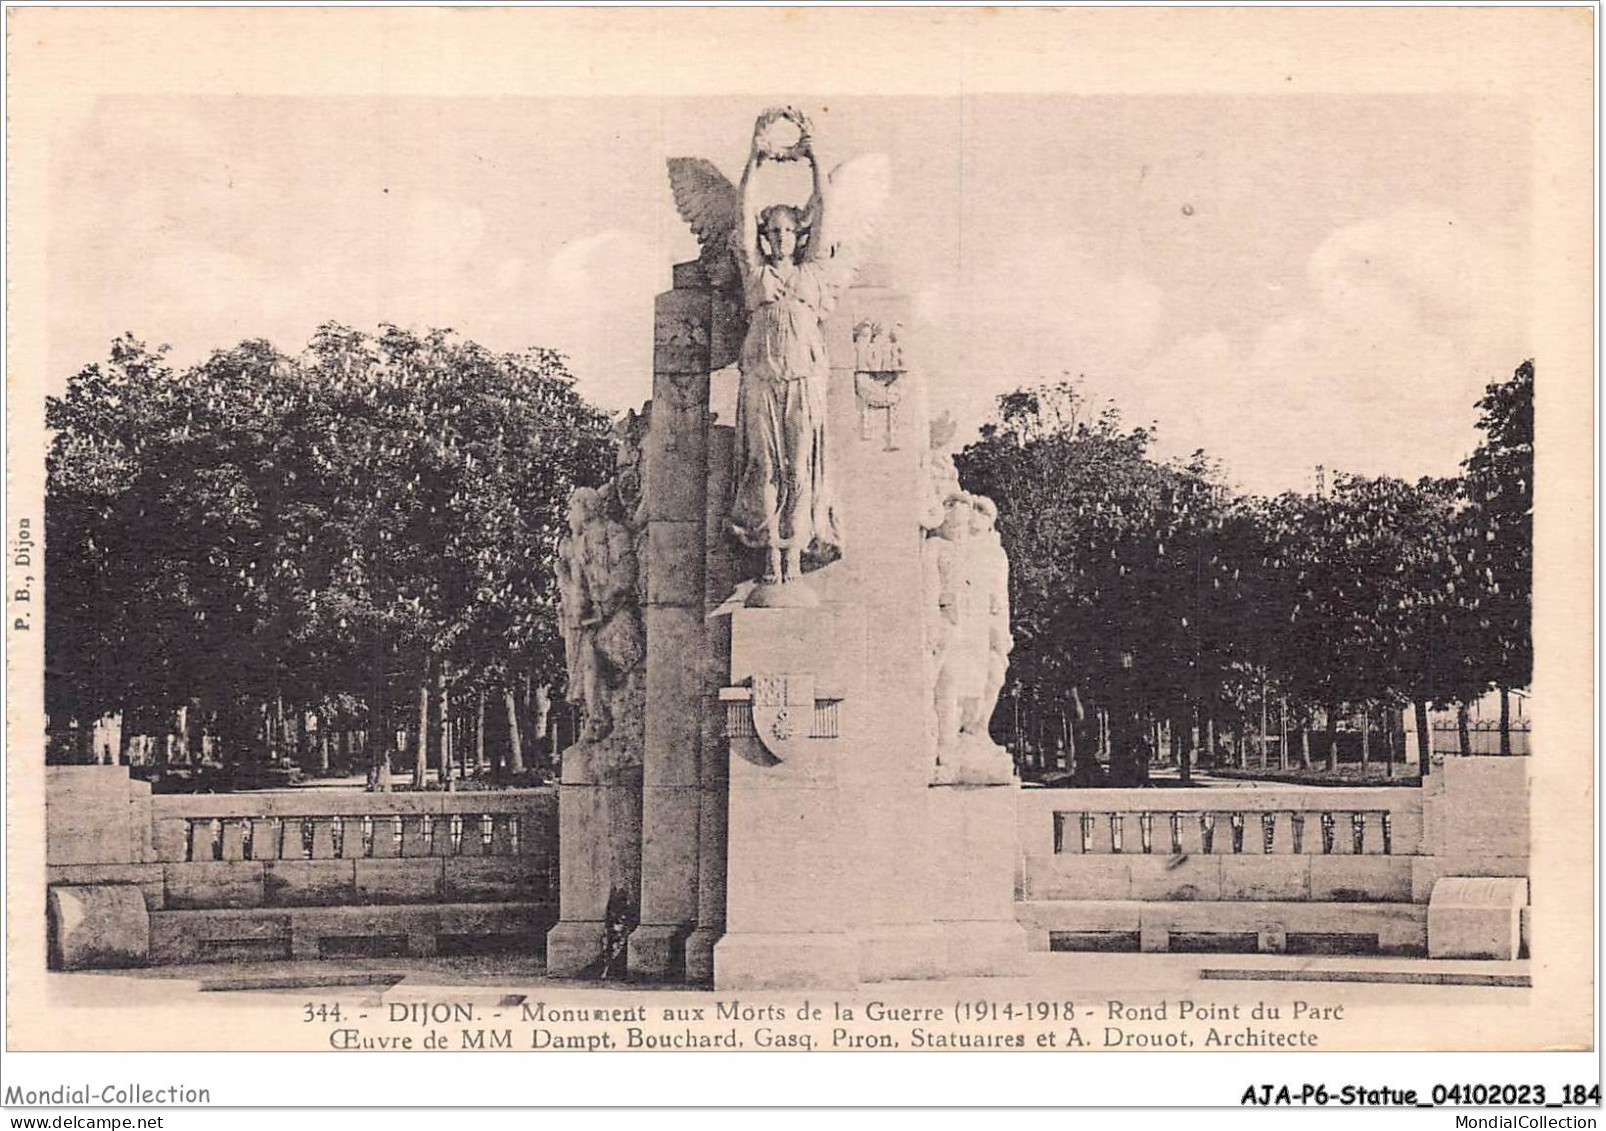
(814, 211)
(750, 254)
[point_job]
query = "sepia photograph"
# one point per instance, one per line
(649, 531)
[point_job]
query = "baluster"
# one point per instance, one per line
(1357, 824)
(367, 837)
(322, 844)
(1327, 833)
(444, 836)
(1059, 833)
(233, 838)
(476, 835)
(1268, 833)
(265, 838)
(386, 844)
(518, 827)
(1146, 831)
(1085, 820)
(1207, 831)
(502, 835)
(1297, 821)
(1237, 820)
(1116, 820)
(415, 835)
(1176, 834)
(214, 839)
(1387, 820)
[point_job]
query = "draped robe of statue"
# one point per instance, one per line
(783, 482)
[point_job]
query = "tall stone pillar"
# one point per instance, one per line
(880, 436)
(677, 642)
(721, 575)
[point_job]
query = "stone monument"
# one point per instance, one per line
(825, 628)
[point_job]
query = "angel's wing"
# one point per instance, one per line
(855, 198)
(712, 206)
(706, 199)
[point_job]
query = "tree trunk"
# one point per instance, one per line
(1424, 740)
(1282, 733)
(1505, 723)
(1304, 741)
(443, 712)
(515, 750)
(1332, 738)
(1462, 726)
(421, 745)
(479, 732)
(1265, 735)
(1366, 738)
(1180, 750)
(125, 736)
(1388, 742)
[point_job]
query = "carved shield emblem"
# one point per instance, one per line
(783, 711)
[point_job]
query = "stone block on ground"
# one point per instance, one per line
(1476, 917)
(97, 926)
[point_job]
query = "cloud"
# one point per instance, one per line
(593, 299)
(1409, 315)
(1030, 308)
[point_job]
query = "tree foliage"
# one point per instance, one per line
(1150, 592)
(325, 531)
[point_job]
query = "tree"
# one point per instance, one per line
(1498, 487)
(268, 536)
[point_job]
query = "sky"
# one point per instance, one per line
(1281, 281)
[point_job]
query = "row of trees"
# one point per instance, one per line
(362, 534)
(1146, 592)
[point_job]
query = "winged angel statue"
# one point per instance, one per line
(790, 265)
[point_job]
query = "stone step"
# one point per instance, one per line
(328, 932)
(1242, 926)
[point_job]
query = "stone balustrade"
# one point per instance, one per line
(1383, 822)
(296, 873)
(321, 825)
(1271, 868)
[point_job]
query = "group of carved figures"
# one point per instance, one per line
(967, 618)
(602, 582)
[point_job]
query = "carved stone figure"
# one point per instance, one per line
(878, 381)
(958, 679)
(990, 576)
(791, 265)
(968, 638)
(598, 579)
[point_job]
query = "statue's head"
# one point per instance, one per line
(781, 233)
(956, 512)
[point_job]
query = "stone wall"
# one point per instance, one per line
(293, 873)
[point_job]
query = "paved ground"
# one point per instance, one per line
(1141, 977)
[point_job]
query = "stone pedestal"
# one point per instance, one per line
(787, 843)
(96, 815)
(974, 863)
(599, 844)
